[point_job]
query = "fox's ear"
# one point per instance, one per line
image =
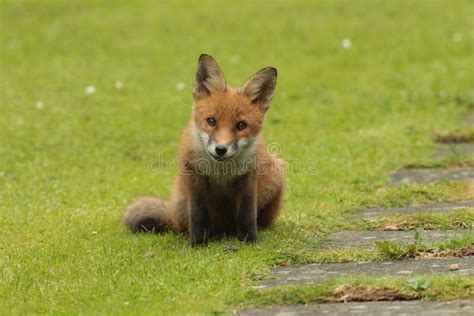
(209, 77)
(259, 88)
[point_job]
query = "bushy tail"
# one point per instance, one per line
(149, 215)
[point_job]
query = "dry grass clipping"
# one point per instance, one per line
(458, 252)
(409, 224)
(367, 293)
(400, 225)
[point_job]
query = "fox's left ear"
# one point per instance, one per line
(259, 88)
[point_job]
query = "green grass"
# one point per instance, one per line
(68, 169)
(388, 250)
(459, 218)
(420, 245)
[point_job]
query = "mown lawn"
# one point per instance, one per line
(69, 162)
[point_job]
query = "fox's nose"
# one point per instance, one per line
(221, 150)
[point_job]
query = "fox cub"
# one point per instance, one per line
(228, 184)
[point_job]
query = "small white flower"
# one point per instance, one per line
(346, 43)
(457, 37)
(90, 90)
(180, 86)
(118, 84)
(94, 233)
(234, 59)
(39, 104)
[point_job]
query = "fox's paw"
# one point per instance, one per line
(249, 238)
(196, 241)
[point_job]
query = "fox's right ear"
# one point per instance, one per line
(209, 77)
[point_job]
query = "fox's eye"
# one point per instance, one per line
(241, 126)
(211, 121)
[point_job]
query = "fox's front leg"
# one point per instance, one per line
(198, 213)
(247, 219)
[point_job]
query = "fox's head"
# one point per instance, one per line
(227, 121)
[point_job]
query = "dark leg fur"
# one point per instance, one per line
(198, 214)
(247, 219)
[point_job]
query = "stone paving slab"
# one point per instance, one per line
(461, 308)
(438, 207)
(469, 120)
(316, 273)
(365, 239)
(410, 176)
(447, 150)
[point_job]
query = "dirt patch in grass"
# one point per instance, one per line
(470, 189)
(455, 137)
(368, 293)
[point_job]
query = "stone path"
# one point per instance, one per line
(432, 208)
(410, 176)
(316, 273)
(365, 239)
(469, 120)
(446, 150)
(458, 308)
